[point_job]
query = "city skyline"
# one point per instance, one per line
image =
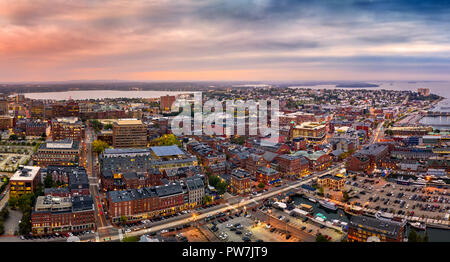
(224, 40)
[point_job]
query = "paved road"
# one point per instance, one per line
(244, 202)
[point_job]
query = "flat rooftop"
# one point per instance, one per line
(167, 150)
(128, 121)
(26, 173)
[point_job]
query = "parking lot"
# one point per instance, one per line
(9, 162)
(246, 229)
(408, 200)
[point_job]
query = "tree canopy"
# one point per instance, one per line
(166, 140)
(98, 146)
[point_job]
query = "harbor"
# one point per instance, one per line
(435, 232)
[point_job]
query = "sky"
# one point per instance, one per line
(211, 40)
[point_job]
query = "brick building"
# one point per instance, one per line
(240, 181)
(62, 214)
(67, 127)
(129, 133)
(62, 153)
(361, 228)
(25, 180)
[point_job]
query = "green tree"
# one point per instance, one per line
(98, 146)
(207, 199)
(321, 191)
(240, 140)
(48, 181)
(130, 239)
(108, 126)
(123, 219)
(97, 125)
(321, 238)
(12, 202)
(261, 185)
(414, 237)
(13, 137)
(214, 180)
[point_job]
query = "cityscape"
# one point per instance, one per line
(231, 153)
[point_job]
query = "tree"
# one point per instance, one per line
(240, 140)
(130, 239)
(321, 238)
(97, 125)
(123, 219)
(108, 126)
(413, 236)
(48, 181)
(166, 140)
(320, 191)
(207, 199)
(261, 185)
(13, 137)
(98, 146)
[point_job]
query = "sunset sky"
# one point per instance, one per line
(51, 40)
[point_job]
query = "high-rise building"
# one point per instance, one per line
(129, 133)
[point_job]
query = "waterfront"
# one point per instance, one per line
(434, 234)
(99, 94)
(441, 88)
(438, 122)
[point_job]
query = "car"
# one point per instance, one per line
(272, 230)
(268, 226)
(246, 239)
(233, 229)
(228, 225)
(288, 236)
(22, 237)
(248, 233)
(309, 231)
(238, 232)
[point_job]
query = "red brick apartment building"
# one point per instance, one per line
(366, 229)
(62, 214)
(67, 127)
(240, 181)
(293, 166)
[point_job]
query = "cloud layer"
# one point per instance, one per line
(224, 40)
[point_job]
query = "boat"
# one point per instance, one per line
(354, 210)
(336, 222)
(320, 217)
(306, 207)
(420, 181)
(418, 225)
(312, 200)
(402, 181)
(328, 205)
(384, 216)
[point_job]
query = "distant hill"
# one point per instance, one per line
(356, 85)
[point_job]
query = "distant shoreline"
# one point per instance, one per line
(356, 85)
